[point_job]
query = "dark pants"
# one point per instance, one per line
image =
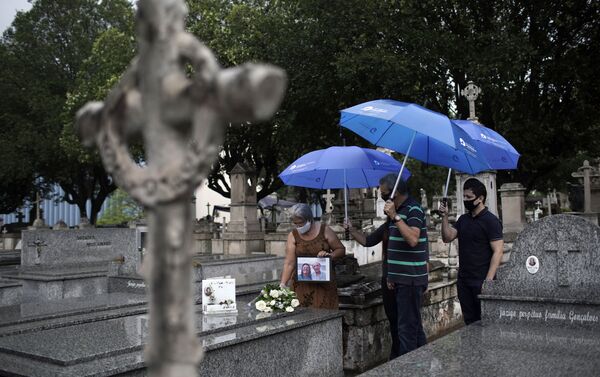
(391, 311)
(469, 303)
(411, 336)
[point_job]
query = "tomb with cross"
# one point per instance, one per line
(553, 267)
(539, 317)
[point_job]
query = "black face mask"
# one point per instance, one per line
(386, 197)
(470, 204)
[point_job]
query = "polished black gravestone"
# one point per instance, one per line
(541, 317)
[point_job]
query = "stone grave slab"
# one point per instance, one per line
(60, 248)
(233, 344)
(539, 318)
(68, 263)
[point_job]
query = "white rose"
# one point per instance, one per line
(280, 305)
(260, 305)
(274, 293)
(268, 310)
(272, 303)
(266, 295)
(295, 303)
(289, 309)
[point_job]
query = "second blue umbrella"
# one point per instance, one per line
(341, 167)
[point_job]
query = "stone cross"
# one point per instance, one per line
(38, 248)
(180, 119)
(471, 92)
(329, 198)
(585, 172)
(20, 217)
(562, 251)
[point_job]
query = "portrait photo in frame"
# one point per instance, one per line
(313, 269)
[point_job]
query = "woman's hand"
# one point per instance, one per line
(323, 254)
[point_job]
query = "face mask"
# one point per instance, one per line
(304, 228)
(470, 204)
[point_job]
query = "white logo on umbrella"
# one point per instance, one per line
(374, 109)
(484, 137)
(467, 145)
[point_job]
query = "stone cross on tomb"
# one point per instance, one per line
(38, 243)
(180, 118)
(329, 198)
(471, 92)
(562, 250)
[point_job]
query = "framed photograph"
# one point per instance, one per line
(218, 296)
(313, 269)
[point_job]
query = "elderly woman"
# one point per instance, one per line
(311, 239)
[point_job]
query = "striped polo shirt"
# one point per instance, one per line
(405, 264)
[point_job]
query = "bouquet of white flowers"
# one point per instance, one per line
(275, 299)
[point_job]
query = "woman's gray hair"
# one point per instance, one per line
(301, 210)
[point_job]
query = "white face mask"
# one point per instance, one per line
(304, 228)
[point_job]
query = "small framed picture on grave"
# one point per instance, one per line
(313, 269)
(218, 296)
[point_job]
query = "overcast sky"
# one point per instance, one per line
(8, 10)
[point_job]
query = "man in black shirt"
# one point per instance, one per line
(480, 247)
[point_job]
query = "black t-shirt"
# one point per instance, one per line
(474, 250)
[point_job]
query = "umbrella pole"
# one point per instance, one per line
(347, 232)
(403, 164)
(445, 198)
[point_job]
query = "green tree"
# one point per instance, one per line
(535, 60)
(46, 56)
(121, 210)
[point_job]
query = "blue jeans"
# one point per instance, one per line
(411, 336)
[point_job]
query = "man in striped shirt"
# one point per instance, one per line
(405, 257)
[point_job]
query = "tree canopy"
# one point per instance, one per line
(534, 59)
(59, 48)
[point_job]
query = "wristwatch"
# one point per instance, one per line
(397, 218)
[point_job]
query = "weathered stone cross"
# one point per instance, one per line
(329, 198)
(180, 120)
(562, 251)
(471, 92)
(38, 248)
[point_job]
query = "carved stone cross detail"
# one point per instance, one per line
(562, 252)
(329, 198)
(471, 92)
(180, 120)
(38, 248)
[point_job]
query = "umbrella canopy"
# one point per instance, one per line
(499, 153)
(374, 120)
(268, 202)
(340, 167)
(414, 130)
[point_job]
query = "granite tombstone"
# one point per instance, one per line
(539, 318)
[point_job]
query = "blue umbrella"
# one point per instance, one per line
(341, 167)
(416, 131)
(497, 151)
